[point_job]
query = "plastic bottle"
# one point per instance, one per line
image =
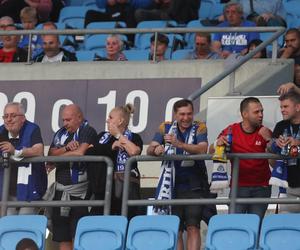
(229, 141)
(285, 150)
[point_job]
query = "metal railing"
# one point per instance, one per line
(231, 201)
(106, 203)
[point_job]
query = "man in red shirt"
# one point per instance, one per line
(10, 51)
(250, 136)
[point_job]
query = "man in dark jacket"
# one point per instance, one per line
(53, 52)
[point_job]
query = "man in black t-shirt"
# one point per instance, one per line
(73, 139)
(290, 109)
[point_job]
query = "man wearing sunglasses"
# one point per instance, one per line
(21, 138)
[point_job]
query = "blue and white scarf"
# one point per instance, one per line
(279, 174)
(164, 190)
(78, 170)
(122, 156)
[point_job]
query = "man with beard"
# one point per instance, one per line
(53, 52)
(10, 51)
(290, 109)
(292, 50)
(250, 136)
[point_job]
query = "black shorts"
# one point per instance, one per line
(64, 227)
(190, 215)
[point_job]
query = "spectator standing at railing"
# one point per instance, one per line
(290, 109)
(250, 136)
(227, 43)
(10, 52)
(202, 48)
(183, 136)
(118, 143)
(71, 183)
(21, 138)
(292, 50)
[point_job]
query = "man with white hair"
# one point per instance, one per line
(22, 138)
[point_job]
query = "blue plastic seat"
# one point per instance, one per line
(143, 39)
(206, 10)
(181, 54)
(232, 231)
(136, 54)
(74, 15)
(105, 25)
(292, 10)
(85, 55)
(280, 231)
(101, 232)
(13, 228)
(153, 232)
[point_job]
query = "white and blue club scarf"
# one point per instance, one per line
(165, 188)
(122, 156)
(78, 170)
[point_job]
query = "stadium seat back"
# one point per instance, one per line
(13, 228)
(280, 231)
(100, 232)
(232, 231)
(181, 54)
(153, 232)
(136, 54)
(206, 10)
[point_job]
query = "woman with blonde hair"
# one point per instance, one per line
(118, 143)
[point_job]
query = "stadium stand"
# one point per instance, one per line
(13, 228)
(109, 232)
(136, 54)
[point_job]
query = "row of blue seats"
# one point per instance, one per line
(225, 232)
(97, 232)
(241, 232)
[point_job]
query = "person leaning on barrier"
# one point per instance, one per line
(21, 138)
(118, 143)
(183, 136)
(71, 183)
(250, 136)
(290, 109)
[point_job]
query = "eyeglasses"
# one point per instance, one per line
(12, 116)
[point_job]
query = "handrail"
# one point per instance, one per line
(232, 201)
(106, 203)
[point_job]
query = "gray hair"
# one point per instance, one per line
(239, 7)
(7, 18)
(118, 38)
(17, 104)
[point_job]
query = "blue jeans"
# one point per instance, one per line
(253, 192)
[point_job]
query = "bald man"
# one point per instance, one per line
(73, 139)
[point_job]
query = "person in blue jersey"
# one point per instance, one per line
(71, 183)
(226, 43)
(22, 138)
(183, 136)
